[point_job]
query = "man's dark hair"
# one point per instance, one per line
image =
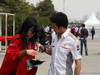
(60, 19)
(83, 25)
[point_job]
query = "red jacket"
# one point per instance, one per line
(3, 38)
(11, 65)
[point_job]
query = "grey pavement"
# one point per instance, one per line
(90, 64)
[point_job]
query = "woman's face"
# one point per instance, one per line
(30, 33)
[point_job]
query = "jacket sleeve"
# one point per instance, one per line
(14, 49)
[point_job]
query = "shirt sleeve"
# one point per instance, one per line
(75, 53)
(13, 49)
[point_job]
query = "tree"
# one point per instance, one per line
(20, 8)
(45, 8)
(3, 2)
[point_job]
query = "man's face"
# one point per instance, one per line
(57, 29)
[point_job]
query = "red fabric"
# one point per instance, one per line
(73, 31)
(2, 38)
(11, 63)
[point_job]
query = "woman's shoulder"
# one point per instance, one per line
(15, 41)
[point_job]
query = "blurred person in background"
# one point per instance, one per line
(83, 39)
(92, 32)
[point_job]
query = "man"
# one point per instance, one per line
(92, 32)
(83, 39)
(63, 48)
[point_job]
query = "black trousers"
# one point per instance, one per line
(92, 36)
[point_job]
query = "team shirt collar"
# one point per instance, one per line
(66, 33)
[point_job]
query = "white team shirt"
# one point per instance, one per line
(64, 51)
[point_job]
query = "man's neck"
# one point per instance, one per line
(60, 34)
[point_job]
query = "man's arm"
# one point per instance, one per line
(77, 67)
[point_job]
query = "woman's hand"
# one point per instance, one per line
(31, 52)
(39, 47)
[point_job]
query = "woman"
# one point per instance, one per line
(21, 49)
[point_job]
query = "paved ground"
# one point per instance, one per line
(90, 63)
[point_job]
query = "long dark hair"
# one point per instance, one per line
(29, 22)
